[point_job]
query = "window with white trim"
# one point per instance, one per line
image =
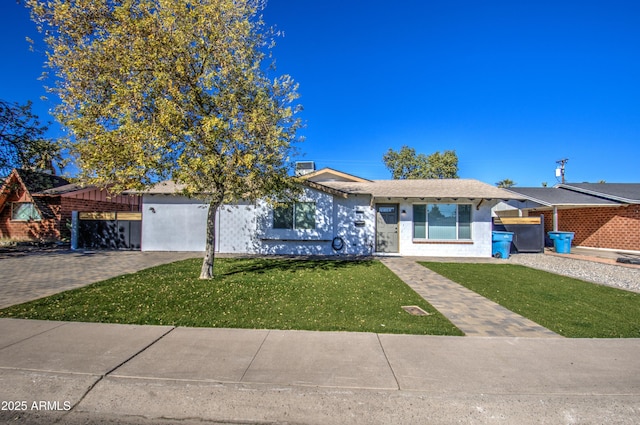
(24, 211)
(442, 221)
(298, 216)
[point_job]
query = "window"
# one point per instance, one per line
(24, 211)
(442, 221)
(300, 216)
(283, 217)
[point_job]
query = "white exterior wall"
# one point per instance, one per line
(355, 224)
(334, 217)
(236, 229)
(173, 223)
(177, 223)
(480, 245)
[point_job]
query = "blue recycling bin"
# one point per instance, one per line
(562, 241)
(501, 244)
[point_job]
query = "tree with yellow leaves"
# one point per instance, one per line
(156, 89)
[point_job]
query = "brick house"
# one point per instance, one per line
(602, 215)
(38, 206)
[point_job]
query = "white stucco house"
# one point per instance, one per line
(337, 214)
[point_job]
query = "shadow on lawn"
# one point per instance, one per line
(292, 264)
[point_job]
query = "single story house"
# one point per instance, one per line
(336, 214)
(38, 206)
(601, 215)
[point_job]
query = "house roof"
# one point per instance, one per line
(165, 187)
(628, 193)
(560, 197)
(428, 188)
(423, 188)
(323, 175)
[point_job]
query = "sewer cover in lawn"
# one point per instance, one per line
(415, 310)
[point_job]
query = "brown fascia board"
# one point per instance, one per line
(326, 189)
(335, 172)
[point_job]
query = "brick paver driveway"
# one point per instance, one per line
(40, 274)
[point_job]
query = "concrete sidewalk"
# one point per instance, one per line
(73, 373)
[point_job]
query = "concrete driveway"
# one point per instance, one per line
(29, 276)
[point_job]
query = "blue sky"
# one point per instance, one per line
(511, 86)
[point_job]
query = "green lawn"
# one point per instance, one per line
(328, 295)
(569, 307)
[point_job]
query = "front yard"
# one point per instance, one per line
(567, 306)
(327, 295)
(334, 295)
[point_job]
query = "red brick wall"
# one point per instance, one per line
(611, 228)
(26, 230)
(18, 229)
(55, 228)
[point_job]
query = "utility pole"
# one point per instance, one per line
(560, 169)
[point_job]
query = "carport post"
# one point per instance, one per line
(74, 230)
(555, 218)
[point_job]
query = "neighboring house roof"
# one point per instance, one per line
(551, 196)
(33, 182)
(41, 186)
(60, 190)
(628, 193)
(36, 181)
(571, 195)
(73, 189)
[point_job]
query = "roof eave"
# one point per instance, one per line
(598, 194)
(326, 189)
(329, 170)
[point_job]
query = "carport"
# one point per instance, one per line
(599, 220)
(553, 199)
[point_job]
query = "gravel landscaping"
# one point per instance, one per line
(627, 278)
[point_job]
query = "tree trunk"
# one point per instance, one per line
(209, 252)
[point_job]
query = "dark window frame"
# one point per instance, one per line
(421, 227)
(295, 216)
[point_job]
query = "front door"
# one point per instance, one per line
(387, 228)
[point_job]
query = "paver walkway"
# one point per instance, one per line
(35, 275)
(471, 313)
